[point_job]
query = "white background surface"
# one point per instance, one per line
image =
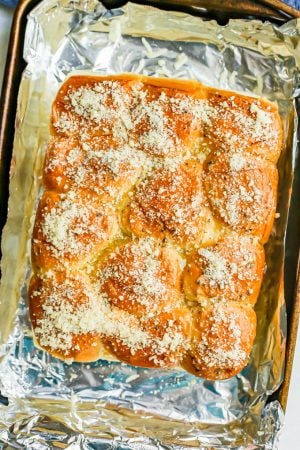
(290, 435)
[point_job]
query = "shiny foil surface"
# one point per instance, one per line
(110, 405)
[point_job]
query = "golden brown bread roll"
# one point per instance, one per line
(62, 161)
(222, 340)
(164, 343)
(165, 122)
(231, 269)
(91, 109)
(107, 173)
(243, 124)
(60, 306)
(69, 229)
(166, 274)
(242, 191)
(170, 202)
(141, 277)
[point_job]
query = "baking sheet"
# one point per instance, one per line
(92, 405)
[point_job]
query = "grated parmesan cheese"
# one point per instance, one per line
(73, 227)
(221, 347)
(63, 318)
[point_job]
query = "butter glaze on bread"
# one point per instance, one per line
(142, 277)
(232, 269)
(88, 170)
(69, 228)
(148, 240)
(222, 339)
(242, 192)
(60, 306)
(170, 202)
(240, 124)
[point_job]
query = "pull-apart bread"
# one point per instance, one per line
(147, 248)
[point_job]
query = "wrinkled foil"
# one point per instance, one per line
(110, 405)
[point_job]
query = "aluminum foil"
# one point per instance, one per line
(109, 405)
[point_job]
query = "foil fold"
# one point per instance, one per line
(107, 404)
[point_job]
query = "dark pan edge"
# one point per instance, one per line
(292, 277)
(11, 80)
